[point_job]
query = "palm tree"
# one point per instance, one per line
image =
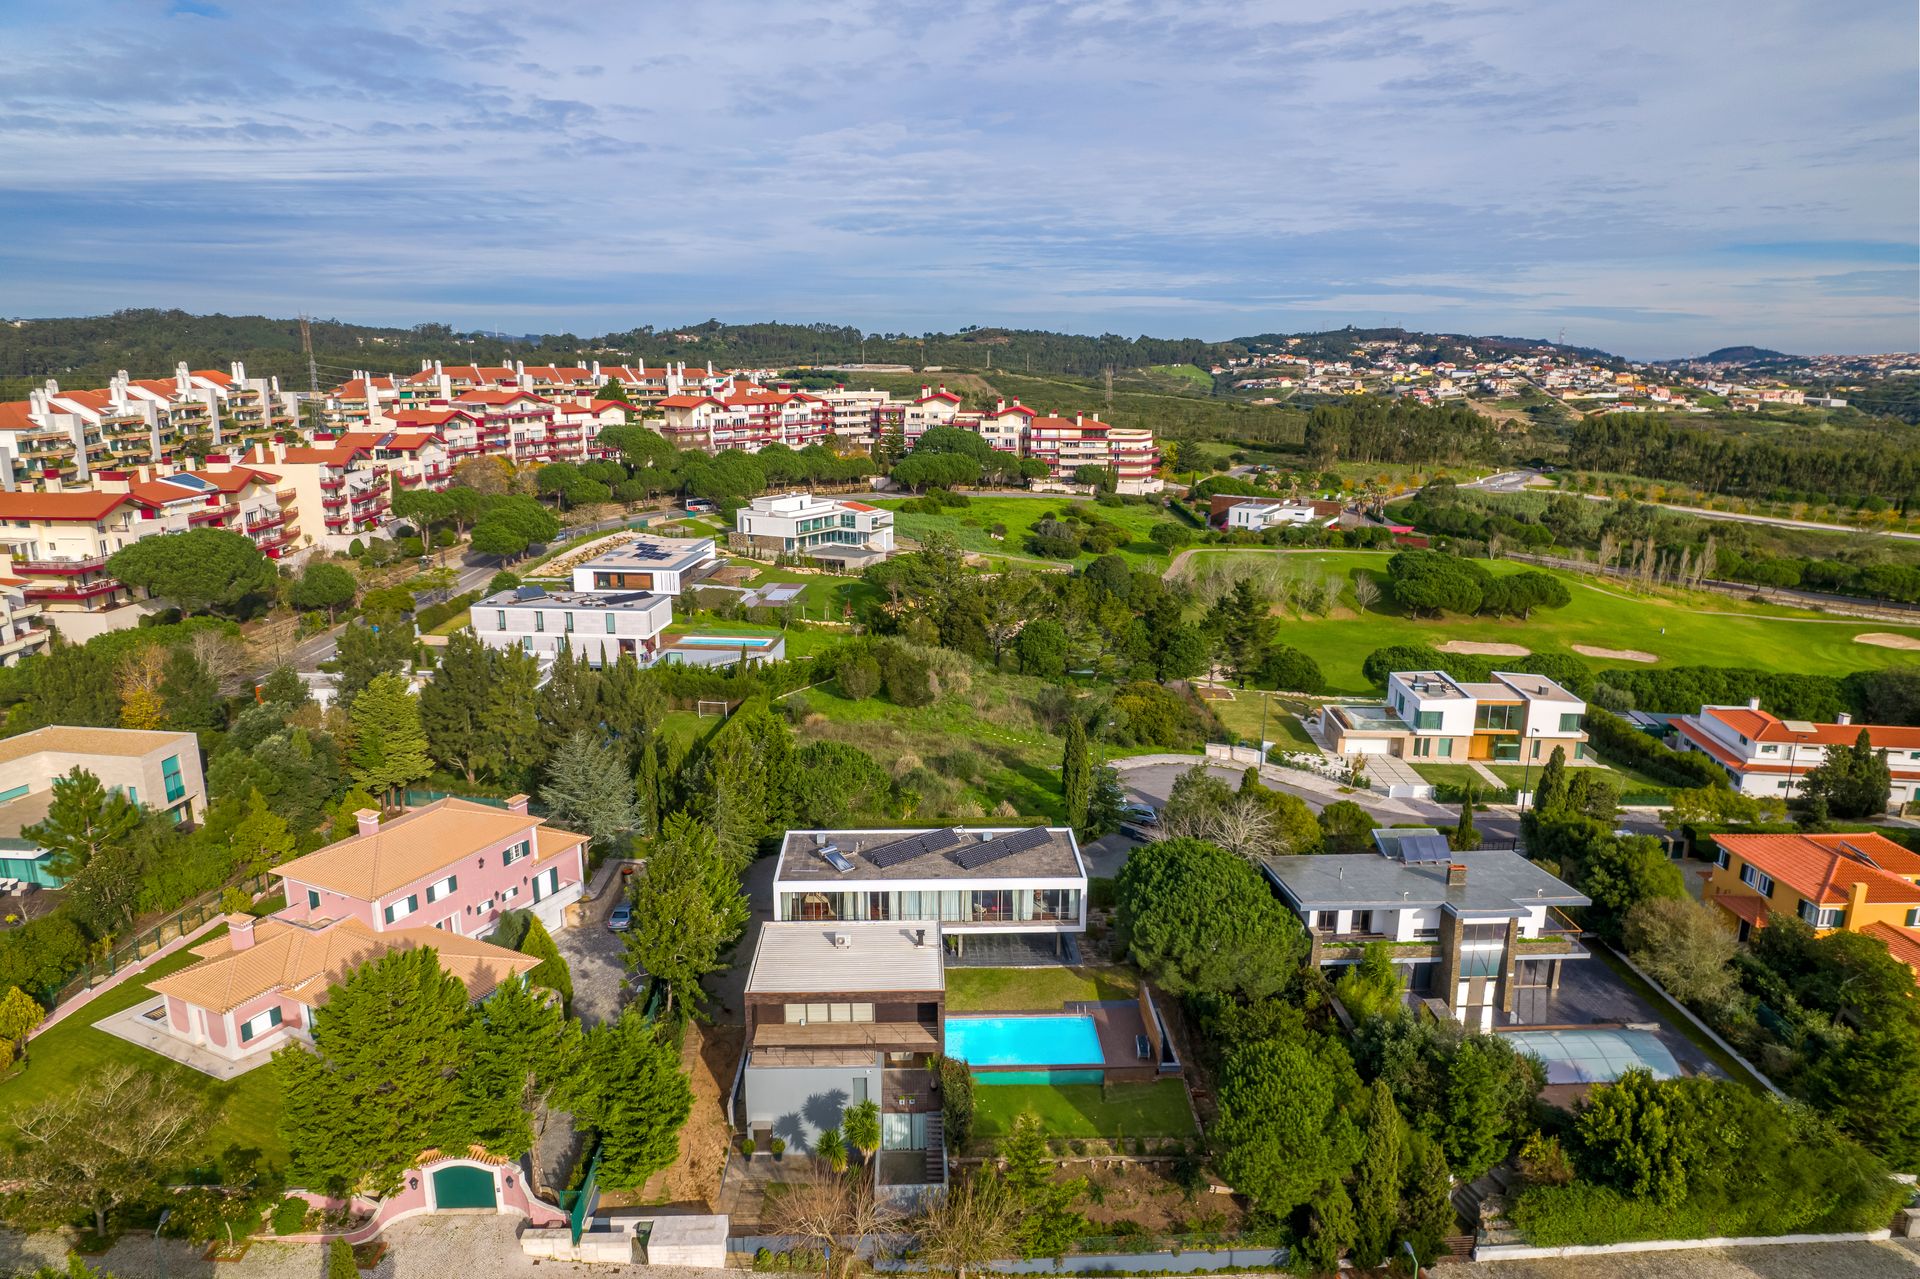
(831, 1150)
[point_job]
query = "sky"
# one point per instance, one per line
(1656, 179)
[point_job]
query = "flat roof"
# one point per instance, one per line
(653, 554)
(1053, 854)
(1534, 686)
(532, 596)
(18, 814)
(1498, 882)
(800, 957)
(125, 743)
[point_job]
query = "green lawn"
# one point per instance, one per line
(971, 990)
(1187, 373)
(1244, 718)
(1449, 775)
(1086, 1110)
(1678, 627)
(970, 526)
(458, 622)
(822, 597)
(244, 1112)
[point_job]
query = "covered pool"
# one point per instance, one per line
(1598, 1055)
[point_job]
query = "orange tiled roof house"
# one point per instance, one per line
(1862, 882)
(436, 876)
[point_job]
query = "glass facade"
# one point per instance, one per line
(942, 906)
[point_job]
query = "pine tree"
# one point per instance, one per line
(261, 840)
(631, 702)
(1048, 1222)
(511, 743)
(379, 1083)
(553, 973)
(390, 747)
(192, 696)
(632, 1092)
(646, 788)
(588, 789)
(453, 708)
(687, 908)
(1076, 774)
(569, 701)
(284, 687)
(82, 821)
(1333, 1229)
(1854, 781)
(74, 684)
(1377, 1177)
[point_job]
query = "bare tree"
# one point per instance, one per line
(103, 1145)
(833, 1213)
(1609, 549)
(972, 1223)
(225, 659)
(1366, 591)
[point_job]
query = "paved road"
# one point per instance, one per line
(1894, 1259)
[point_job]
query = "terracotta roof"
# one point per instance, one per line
(126, 743)
(15, 415)
(550, 841)
(1748, 906)
(407, 441)
(87, 506)
(305, 962)
(432, 417)
(1005, 409)
(1067, 423)
(498, 397)
(687, 401)
(1902, 943)
(857, 506)
(601, 406)
(331, 455)
(409, 848)
(1764, 727)
(214, 376)
(1821, 868)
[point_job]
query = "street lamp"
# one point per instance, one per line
(159, 1257)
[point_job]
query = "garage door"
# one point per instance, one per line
(462, 1186)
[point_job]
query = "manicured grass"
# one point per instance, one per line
(244, 1112)
(1157, 1109)
(1681, 628)
(822, 597)
(972, 990)
(1449, 775)
(458, 622)
(1243, 718)
(970, 525)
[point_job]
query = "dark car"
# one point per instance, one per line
(621, 919)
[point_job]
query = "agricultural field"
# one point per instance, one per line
(1681, 628)
(971, 527)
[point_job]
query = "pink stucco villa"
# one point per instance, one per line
(436, 876)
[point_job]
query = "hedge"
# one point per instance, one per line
(1555, 1216)
(1620, 742)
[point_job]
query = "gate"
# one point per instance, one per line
(464, 1186)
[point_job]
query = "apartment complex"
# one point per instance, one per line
(23, 625)
(1472, 929)
(1766, 755)
(824, 528)
(1512, 718)
(1019, 889)
(1862, 883)
(160, 771)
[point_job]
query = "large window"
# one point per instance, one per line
(1570, 721)
(1426, 719)
(622, 581)
(546, 883)
(827, 1014)
(259, 1025)
(170, 774)
(1756, 880)
(1499, 717)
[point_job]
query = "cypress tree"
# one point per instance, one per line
(632, 1093)
(1333, 1228)
(1427, 1215)
(453, 708)
(553, 973)
(646, 787)
(1550, 796)
(1465, 836)
(390, 747)
(1376, 1183)
(191, 695)
(516, 1049)
(1076, 774)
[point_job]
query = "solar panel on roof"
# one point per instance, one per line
(905, 850)
(1425, 848)
(977, 855)
(836, 859)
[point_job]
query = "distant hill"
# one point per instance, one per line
(1743, 355)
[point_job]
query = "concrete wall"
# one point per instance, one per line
(801, 1102)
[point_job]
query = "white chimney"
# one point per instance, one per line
(1843, 718)
(1753, 703)
(367, 819)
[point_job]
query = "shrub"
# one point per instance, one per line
(956, 1101)
(290, 1216)
(1622, 743)
(340, 1263)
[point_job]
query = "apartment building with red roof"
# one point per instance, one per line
(1766, 755)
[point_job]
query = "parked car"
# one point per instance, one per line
(1139, 815)
(621, 919)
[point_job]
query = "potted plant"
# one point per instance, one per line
(778, 1147)
(746, 1147)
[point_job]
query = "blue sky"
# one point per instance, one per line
(1653, 178)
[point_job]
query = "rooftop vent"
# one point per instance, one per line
(1456, 874)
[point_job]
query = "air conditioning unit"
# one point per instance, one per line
(842, 941)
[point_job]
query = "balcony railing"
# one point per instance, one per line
(333, 482)
(212, 514)
(74, 591)
(93, 564)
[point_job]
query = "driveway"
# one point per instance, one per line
(1893, 1259)
(597, 959)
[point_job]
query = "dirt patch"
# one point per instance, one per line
(709, 1055)
(1485, 648)
(1615, 654)
(1887, 639)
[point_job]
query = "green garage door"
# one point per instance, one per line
(463, 1187)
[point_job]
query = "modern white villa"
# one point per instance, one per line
(1429, 715)
(825, 528)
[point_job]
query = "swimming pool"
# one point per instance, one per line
(1596, 1056)
(1055, 1039)
(725, 641)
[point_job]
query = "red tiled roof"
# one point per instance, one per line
(59, 506)
(497, 397)
(1745, 906)
(687, 401)
(1902, 943)
(1761, 726)
(858, 506)
(1821, 868)
(14, 415)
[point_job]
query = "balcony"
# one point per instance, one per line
(60, 567)
(213, 515)
(333, 503)
(407, 481)
(260, 526)
(334, 521)
(74, 590)
(284, 496)
(27, 638)
(330, 483)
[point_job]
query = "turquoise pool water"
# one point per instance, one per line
(725, 641)
(1055, 1039)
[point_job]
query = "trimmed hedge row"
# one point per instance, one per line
(1615, 739)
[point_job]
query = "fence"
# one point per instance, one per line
(149, 941)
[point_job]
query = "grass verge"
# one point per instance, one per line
(1157, 1109)
(1033, 989)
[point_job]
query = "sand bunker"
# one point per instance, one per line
(1887, 639)
(1614, 654)
(1485, 650)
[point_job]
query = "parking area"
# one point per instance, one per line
(598, 960)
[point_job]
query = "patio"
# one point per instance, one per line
(144, 1024)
